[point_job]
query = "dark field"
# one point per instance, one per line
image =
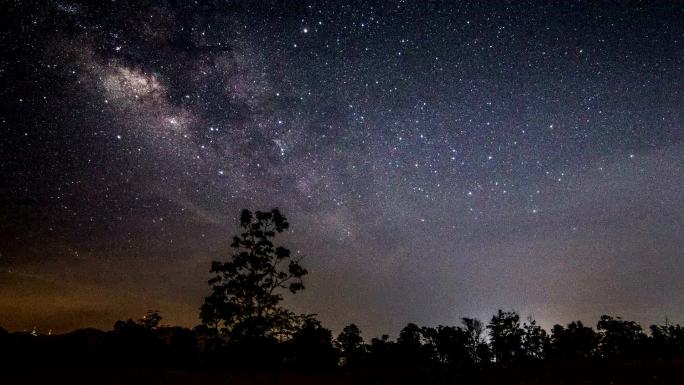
(654, 373)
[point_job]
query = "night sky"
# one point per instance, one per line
(435, 159)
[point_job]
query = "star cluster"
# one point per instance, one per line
(436, 159)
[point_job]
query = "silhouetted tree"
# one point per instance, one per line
(620, 338)
(536, 341)
(352, 348)
(667, 341)
(409, 338)
(410, 346)
(476, 341)
(383, 352)
(575, 342)
(450, 345)
(311, 347)
(506, 337)
(133, 344)
(247, 289)
(151, 319)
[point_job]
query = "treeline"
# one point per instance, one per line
(504, 342)
(245, 328)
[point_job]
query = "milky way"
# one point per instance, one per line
(435, 160)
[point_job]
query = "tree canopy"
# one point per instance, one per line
(247, 288)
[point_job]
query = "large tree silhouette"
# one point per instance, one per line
(620, 338)
(506, 337)
(575, 342)
(248, 288)
(351, 346)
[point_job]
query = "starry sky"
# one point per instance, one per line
(435, 159)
